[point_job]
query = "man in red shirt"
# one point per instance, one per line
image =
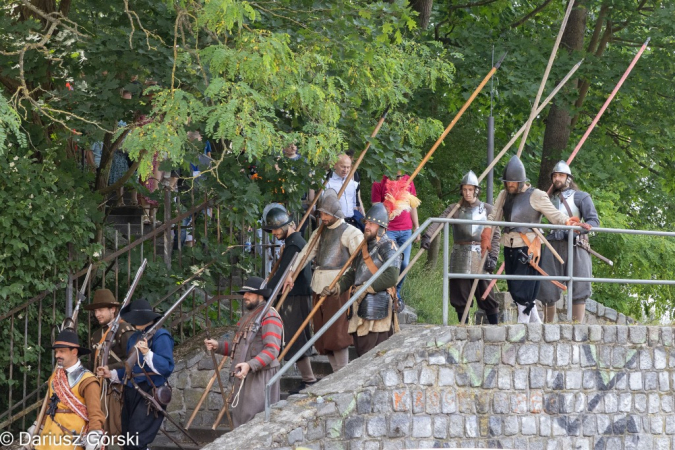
(401, 227)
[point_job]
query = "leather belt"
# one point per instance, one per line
(467, 243)
(64, 411)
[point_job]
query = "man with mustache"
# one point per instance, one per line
(254, 354)
(520, 202)
(373, 317)
(73, 412)
(105, 309)
(567, 197)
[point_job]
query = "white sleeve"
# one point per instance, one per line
(147, 358)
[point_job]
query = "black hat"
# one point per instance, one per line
(69, 339)
(254, 284)
(139, 312)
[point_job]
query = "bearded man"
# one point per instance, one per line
(567, 197)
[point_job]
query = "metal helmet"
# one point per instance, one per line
(562, 167)
(377, 214)
(275, 216)
(472, 180)
(329, 204)
(515, 171)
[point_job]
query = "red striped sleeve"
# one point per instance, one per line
(270, 333)
(271, 330)
(272, 320)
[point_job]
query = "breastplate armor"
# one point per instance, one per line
(521, 211)
(469, 233)
(569, 198)
(331, 254)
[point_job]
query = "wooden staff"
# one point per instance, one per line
(206, 392)
(551, 58)
(456, 118)
(351, 173)
(497, 158)
(312, 243)
(321, 300)
(597, 116)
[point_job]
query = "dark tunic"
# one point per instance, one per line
(112, 403)
(298, 304)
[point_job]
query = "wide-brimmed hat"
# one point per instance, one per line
(139, 312)
(103, 298)
(69, 339)
(253, 285)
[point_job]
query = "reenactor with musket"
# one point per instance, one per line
(106, 308)
(254, 352)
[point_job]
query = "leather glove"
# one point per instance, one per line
(490, 264)
(93, 440)
(575, 221)
(425, 243)
(486, 240)
(328, 292)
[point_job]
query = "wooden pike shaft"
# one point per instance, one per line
(497, 158)
(206, 392)
(351, 173)
(456, 118)
(312, 243)
(225, 409)
(321, 300)
(551, 58)
(548, 245)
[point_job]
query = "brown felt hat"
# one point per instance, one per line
(103, 298)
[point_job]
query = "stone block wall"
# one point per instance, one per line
(553, 387)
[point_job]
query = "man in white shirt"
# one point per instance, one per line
(350, 201)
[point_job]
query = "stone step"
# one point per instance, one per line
(203, 435)
(320, 367)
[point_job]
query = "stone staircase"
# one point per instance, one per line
(193, 370)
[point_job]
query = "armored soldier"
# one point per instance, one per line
(73, 414)
(105, 309)
(254, 353)
(372, 317)
(336, 244)
(466, 250)
(520, 202)
(298, 303)
(567, 197)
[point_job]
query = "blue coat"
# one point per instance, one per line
(161, 346)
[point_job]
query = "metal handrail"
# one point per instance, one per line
(570, 278)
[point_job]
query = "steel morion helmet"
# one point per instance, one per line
(515, 171)
(377, 214)
(562, 167)
(470, 179)
(329, 204)
(275, 216)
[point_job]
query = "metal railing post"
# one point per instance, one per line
(446, 269)
(570, 272)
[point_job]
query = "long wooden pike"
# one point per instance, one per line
(206, 392)
(595, 122)
(321, 300)
(497, 158)
(312, 243)
(551, 58)
(459, 114)
(351, 173)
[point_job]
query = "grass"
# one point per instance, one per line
(423, 291)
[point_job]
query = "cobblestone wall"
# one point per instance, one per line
(517, 386)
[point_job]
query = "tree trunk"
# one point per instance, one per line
(557, 134)
(423, 7)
